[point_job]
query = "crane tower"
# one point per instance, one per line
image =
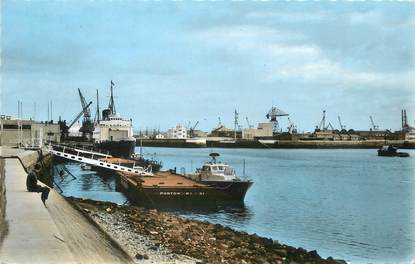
(273, 115)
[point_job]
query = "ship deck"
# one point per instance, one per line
(162, 179)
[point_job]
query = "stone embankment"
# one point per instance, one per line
(208, 243)
(32, 232)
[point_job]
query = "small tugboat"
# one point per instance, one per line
(221, 176)
(391, 151)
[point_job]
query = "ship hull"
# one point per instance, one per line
(122, 148)
(209, 194)
(392, 154)
(236, 190)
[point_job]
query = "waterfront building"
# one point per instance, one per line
(263, 130)
(410, 135)
(177, 132)
(160, 136)
(27, 132)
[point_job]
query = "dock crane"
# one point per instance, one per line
(219, 122)
(272, 115)
(249, 124)
(65, 129)
(87, 127)
(292, 128)
(342, 127)
(78, 116)
(322, 126)
(374, 127)
(85, 109)
(192, 129)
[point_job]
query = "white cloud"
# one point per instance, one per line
(324, 70)
(290, 17)
(227, 35)
(290, 55)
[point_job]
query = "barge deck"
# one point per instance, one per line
(166, 186)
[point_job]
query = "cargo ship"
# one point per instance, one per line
(113, 134)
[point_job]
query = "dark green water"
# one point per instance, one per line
(349, 204)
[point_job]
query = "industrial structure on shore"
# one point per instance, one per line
(111, 133)
(270, 134)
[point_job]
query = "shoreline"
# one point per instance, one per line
(149, 235)
(276, 144)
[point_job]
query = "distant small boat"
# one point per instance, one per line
(391, 151)
(85, 166)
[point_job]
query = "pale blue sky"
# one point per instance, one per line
(186, 61)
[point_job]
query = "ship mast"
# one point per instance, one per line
(111, 105)
(97, 114)
(236, 124)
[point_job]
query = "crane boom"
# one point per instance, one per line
(340, 123)
(85, 108)
(375, 127)
(322, 125)
(247, 121)
(79, 115)
(192, 129)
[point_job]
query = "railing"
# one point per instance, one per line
(97, 162)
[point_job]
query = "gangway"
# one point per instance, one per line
(83, 151)
(136, 170)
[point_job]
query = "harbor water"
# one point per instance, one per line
(346, 203)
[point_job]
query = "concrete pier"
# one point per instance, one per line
(59, 233)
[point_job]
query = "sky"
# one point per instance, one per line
(180, 62)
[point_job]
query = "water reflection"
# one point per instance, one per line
(87, 184)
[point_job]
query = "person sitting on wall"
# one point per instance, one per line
(32, 186)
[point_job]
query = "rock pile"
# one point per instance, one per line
(208, 243)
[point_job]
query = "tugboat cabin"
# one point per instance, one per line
(217, 172)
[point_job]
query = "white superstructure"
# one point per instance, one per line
(114, 128)
(214, 171)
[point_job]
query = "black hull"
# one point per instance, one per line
(392, 154)
(121, 149)
(213, 194)
(235, 190)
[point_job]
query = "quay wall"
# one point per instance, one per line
(168, 143)
(310, 144)
(3, 227)
(28, 159)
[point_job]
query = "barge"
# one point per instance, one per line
(169, 187)
(214, 182)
